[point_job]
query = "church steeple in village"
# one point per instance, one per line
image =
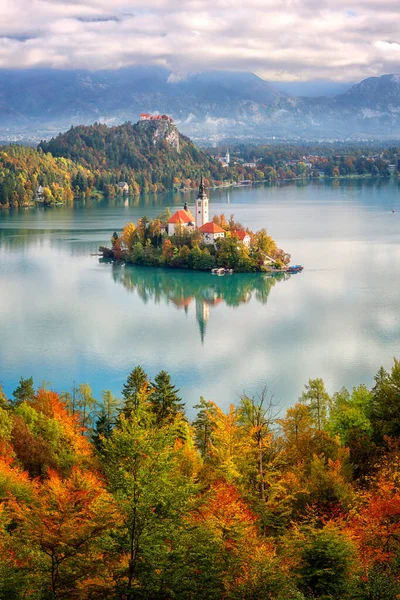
(201, 205)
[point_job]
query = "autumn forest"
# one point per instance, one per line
(130, 498)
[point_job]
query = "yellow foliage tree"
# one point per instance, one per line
(128, 235)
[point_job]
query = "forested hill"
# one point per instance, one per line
(24, 170)
(148, 155)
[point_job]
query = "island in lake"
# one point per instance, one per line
(187, 241)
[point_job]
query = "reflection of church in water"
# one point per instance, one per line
(205, 300)
(202, 292)
(203, 310)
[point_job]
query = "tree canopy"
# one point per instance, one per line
(132, 499)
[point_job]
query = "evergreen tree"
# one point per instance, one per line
(106, 420)
(203, 426)
(386, 403)
(102, 430)
(317, 399)
(24, 391)
(135, 391)
(165, 400)
(327, 559)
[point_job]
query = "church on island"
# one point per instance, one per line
(184, 219)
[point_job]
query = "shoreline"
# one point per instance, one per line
(124, 262)
(266, 182)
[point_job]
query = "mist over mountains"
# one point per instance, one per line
(209, 106)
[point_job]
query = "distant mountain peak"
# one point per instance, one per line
(212, 105)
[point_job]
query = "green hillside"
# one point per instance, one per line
(23, 169)
(149, 156)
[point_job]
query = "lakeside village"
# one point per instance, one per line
(185, 241)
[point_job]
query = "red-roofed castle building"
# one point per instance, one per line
(148, 117)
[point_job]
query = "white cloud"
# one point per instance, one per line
(278, 39)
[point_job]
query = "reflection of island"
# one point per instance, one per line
(182, 288)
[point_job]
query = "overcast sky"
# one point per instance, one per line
(277, 39)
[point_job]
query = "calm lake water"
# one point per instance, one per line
(65, 316)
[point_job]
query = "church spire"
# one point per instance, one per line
(201, 205)
(202, 191)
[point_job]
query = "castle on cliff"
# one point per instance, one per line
(147, 117)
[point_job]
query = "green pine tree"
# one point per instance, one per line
(135, 391)
(165, 400)
(203, 426)
(25, 391)
(106, 420)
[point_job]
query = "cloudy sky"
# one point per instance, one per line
(283, 40)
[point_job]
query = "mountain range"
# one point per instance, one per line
(209, 106)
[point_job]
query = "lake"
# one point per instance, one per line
(65, 316)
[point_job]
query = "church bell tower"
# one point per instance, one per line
(201, 206)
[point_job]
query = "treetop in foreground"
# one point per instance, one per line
(129, 498)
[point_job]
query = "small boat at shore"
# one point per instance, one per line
(279, 271)
(221, 271)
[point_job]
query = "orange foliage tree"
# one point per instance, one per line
(59, 534)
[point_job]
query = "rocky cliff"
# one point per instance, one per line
(160, 130)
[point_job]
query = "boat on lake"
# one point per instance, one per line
(294, 269)
(290, 269)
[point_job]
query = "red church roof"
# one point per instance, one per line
(211, 228)
(182, 216)
(240, 234)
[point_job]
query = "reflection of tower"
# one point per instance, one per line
(202, 316)
(201, 206)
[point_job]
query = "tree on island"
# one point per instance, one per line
(148, 244)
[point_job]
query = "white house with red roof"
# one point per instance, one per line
(183, 219)
(211, 232)
(243, 236)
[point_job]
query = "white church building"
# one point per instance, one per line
(184, 218)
